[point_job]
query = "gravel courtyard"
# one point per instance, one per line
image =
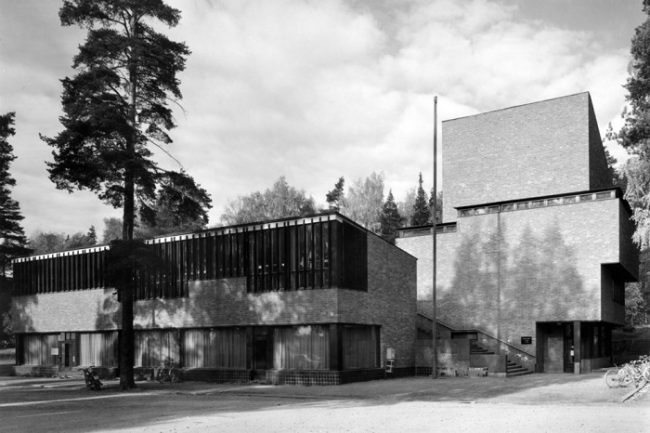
(533, 403)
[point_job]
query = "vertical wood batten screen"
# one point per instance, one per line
(301, 348)
(291, 255)
(60, 272)
(156, 348)
(98, 348)
(217, 348)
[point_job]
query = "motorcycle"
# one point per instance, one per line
(92, 378)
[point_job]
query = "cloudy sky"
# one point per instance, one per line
(314, 90)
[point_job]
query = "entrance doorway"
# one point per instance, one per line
(555, 347)
(68, 350)
(262, 351)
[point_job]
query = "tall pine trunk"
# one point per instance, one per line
(127, 342)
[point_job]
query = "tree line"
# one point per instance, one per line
(365, 202)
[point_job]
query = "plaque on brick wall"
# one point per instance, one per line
(526, 340)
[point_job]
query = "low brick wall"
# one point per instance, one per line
(35, 370)
(495, 364)
(217, 375)
(324, 377)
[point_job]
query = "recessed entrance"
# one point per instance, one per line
(555, 347)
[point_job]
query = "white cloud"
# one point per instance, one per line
(315, 90)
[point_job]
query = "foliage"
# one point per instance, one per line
(112, 230)
(438, 206)
(6, 331)
(92, 235)
(51, 242)
(336, 197)
(637, 193)
(167, 222)
(635, 134)
(421, 212)
(406, 206)
(390, 219)
(280, 201)
(617, 176)
(12, 235)
(364, 201)
(115, 111)
(634, 305)
(126, 258)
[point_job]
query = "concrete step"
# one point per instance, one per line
(518, 373)
(476, 349)
(515, 369)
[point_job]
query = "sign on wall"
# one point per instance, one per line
(526, 340)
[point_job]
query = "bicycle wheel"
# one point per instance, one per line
(174, 376)
(626, 375)
(645, 372)
(611, 378)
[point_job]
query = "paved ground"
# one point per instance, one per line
(553, 403)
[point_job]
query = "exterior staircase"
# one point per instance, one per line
(476, 349)
(512, 368)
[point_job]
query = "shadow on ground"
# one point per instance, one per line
(67, 406)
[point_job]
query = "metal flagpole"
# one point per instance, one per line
(434, 211)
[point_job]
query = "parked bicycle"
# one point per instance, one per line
(637, 372)
(168, 373)
(92, 378)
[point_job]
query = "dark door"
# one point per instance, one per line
(259, 354)
(263, 349)
(554, 350)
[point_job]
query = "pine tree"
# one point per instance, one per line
(438, 206)
(335, 197)
(92, 236)
(635, 134)
(115, 110)
(421, 212)
(12, 235)
(390, 219)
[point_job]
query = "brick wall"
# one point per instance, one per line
(536, 149)
(543, 264)
(390, 302)
(209, 303)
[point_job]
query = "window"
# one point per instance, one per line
(301, 348)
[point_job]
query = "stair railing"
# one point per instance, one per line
(495, 344)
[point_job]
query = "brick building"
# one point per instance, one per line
(535, 245)
(306, 300)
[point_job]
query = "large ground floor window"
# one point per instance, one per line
(98, 348)
(219, 348)
(157, 348)
(301, 348)
(39, 349)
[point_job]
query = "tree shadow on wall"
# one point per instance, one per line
(516, 284)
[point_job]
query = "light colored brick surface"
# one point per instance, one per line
(390, 303)
(504, 272)
(543, 148)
